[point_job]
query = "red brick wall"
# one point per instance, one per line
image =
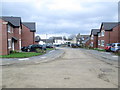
(95, 42)
(3, 38)
(27, 36)
(111, 37)
(87, 44)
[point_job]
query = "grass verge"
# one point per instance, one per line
(49, 49)
(21, 55)
(25, 54)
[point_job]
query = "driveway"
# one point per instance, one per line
(76, 68)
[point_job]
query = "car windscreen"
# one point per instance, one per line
(109, 44)
(118, 44)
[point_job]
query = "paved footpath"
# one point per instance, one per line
(74, 69)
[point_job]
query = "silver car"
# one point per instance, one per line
(115, 47)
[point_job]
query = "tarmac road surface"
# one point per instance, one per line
(75, 68)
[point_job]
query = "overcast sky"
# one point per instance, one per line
(63, 16)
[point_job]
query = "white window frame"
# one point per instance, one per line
(102, 43)
(99, 42)
(91, 44)
(98, 34)
(92, 37)
(102, 33)
(8, 28)
(20, 45)
(9, 44)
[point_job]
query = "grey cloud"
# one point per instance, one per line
(48, 20)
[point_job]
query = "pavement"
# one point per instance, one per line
(74, 68)
(107, 57)
(49, 56)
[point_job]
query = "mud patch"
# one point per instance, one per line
(103, 77)
(106, 70)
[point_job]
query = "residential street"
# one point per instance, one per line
(75, 68)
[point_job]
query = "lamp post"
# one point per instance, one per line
(46, 38)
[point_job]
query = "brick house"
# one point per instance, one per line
(94, 38)
(28, 33)
(10, 34)
(109, 33)
(87, 42)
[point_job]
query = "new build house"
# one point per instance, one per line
(109, 33)
(10, 34)
(28, 33)
(94, 38)
(14, 34)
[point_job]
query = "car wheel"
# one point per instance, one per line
(28, 50)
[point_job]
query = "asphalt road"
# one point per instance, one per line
(75, 68)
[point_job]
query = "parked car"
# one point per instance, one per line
(115, 47)
(73, 45)
(108, 47)
(24, 49)
(32, 48)
(49, 46)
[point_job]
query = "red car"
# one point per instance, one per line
(108, 47)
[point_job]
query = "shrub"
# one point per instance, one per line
(40, 50)
(13, 51)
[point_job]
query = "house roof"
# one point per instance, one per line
(109, 25)
(57, 38)
(86, 40)
(15, 21)
(30, 25)
(95, 31)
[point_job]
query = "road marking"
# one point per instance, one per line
(43, 57)
(108, 53)
(102, 52)
(23, 59)
(51, 51)
(115, 56)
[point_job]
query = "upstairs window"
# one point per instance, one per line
(92, 37)
(9, 28)
(102, 33)
(98, 34)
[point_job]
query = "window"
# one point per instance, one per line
(118, 45)
(91, 44)
(102, 42)
(92, 37)
(102, 33)
(9, 43)
(8, 28)
(98, 42)
(98, 34)
(20, 44)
